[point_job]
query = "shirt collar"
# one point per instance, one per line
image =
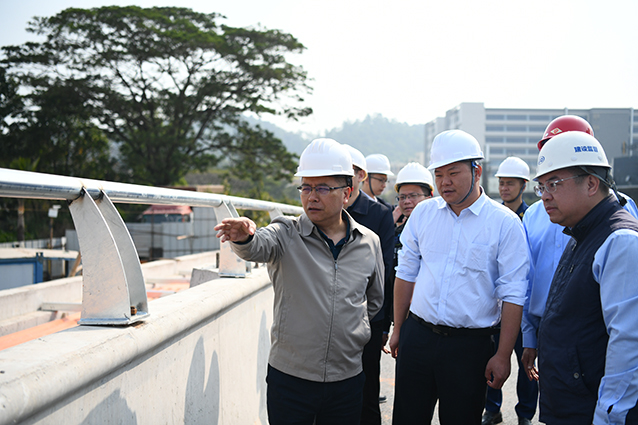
(520, 211)
(306, 226)
(367, 196)
(475, 208)
(340, 242)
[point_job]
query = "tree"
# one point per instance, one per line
(166, 85)
(26, 165)
(56, 130)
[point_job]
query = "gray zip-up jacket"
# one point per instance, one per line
(322, 307)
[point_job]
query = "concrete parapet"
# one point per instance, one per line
(28, 299)
(200, 357)
(20, 306)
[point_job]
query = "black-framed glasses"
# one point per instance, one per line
(550, 187)
(384, 181)
(321, 190)
(409, 196)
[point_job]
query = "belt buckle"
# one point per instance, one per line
(439, 331)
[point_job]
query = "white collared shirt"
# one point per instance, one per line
(464, 266)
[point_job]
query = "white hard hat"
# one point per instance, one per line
(414, 173)
(378, 164)
(453, 146)
(325, 157)
(570, 149)
(357, 158)
(513, 167)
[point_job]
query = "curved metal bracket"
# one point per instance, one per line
(230, 265)
(275, 212)
(113, 290)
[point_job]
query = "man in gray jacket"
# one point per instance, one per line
(327, 274)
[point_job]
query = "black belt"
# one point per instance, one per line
(450, 331)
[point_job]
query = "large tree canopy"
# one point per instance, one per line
(166, 85)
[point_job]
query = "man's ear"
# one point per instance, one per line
(347, 192)
(593, 183)
(478, 172)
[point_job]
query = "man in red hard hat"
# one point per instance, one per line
(563, 124)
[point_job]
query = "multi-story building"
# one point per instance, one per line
(506, 132)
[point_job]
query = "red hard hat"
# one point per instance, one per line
(563, 124)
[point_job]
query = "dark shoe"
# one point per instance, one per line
(524, 421)
(492, 418)
(382, 399)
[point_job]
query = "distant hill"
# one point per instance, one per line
(400, 142)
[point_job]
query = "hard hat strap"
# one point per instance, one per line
(520, 192)
(608, 181)
(472, 166)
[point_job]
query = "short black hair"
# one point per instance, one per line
(427, 190)
(346, 180)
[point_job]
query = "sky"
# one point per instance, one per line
(412, 60)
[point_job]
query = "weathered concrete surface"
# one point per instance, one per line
(200, 357)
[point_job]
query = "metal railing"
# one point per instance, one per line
(113, 290)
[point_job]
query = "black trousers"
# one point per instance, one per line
(371, 412)
(450, 369)
(526, 390)
(295, 401)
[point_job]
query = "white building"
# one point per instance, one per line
(506, 132)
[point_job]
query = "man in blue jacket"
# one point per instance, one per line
(513, 176)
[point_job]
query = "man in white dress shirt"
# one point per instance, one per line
(462, 271)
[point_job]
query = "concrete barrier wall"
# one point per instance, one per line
(19, 307)
(201, 357)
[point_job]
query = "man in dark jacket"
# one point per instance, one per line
(378, 218)
(588, 338)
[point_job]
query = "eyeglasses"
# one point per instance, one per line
(411, 196)
(550, 187)
(383, 181)
(321, 190)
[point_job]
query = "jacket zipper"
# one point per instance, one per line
(332, 310)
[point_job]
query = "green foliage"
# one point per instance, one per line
(261, 155)
(10, 101)
(36, 219)
(57, 130)
(268, 189)
(164, 85)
